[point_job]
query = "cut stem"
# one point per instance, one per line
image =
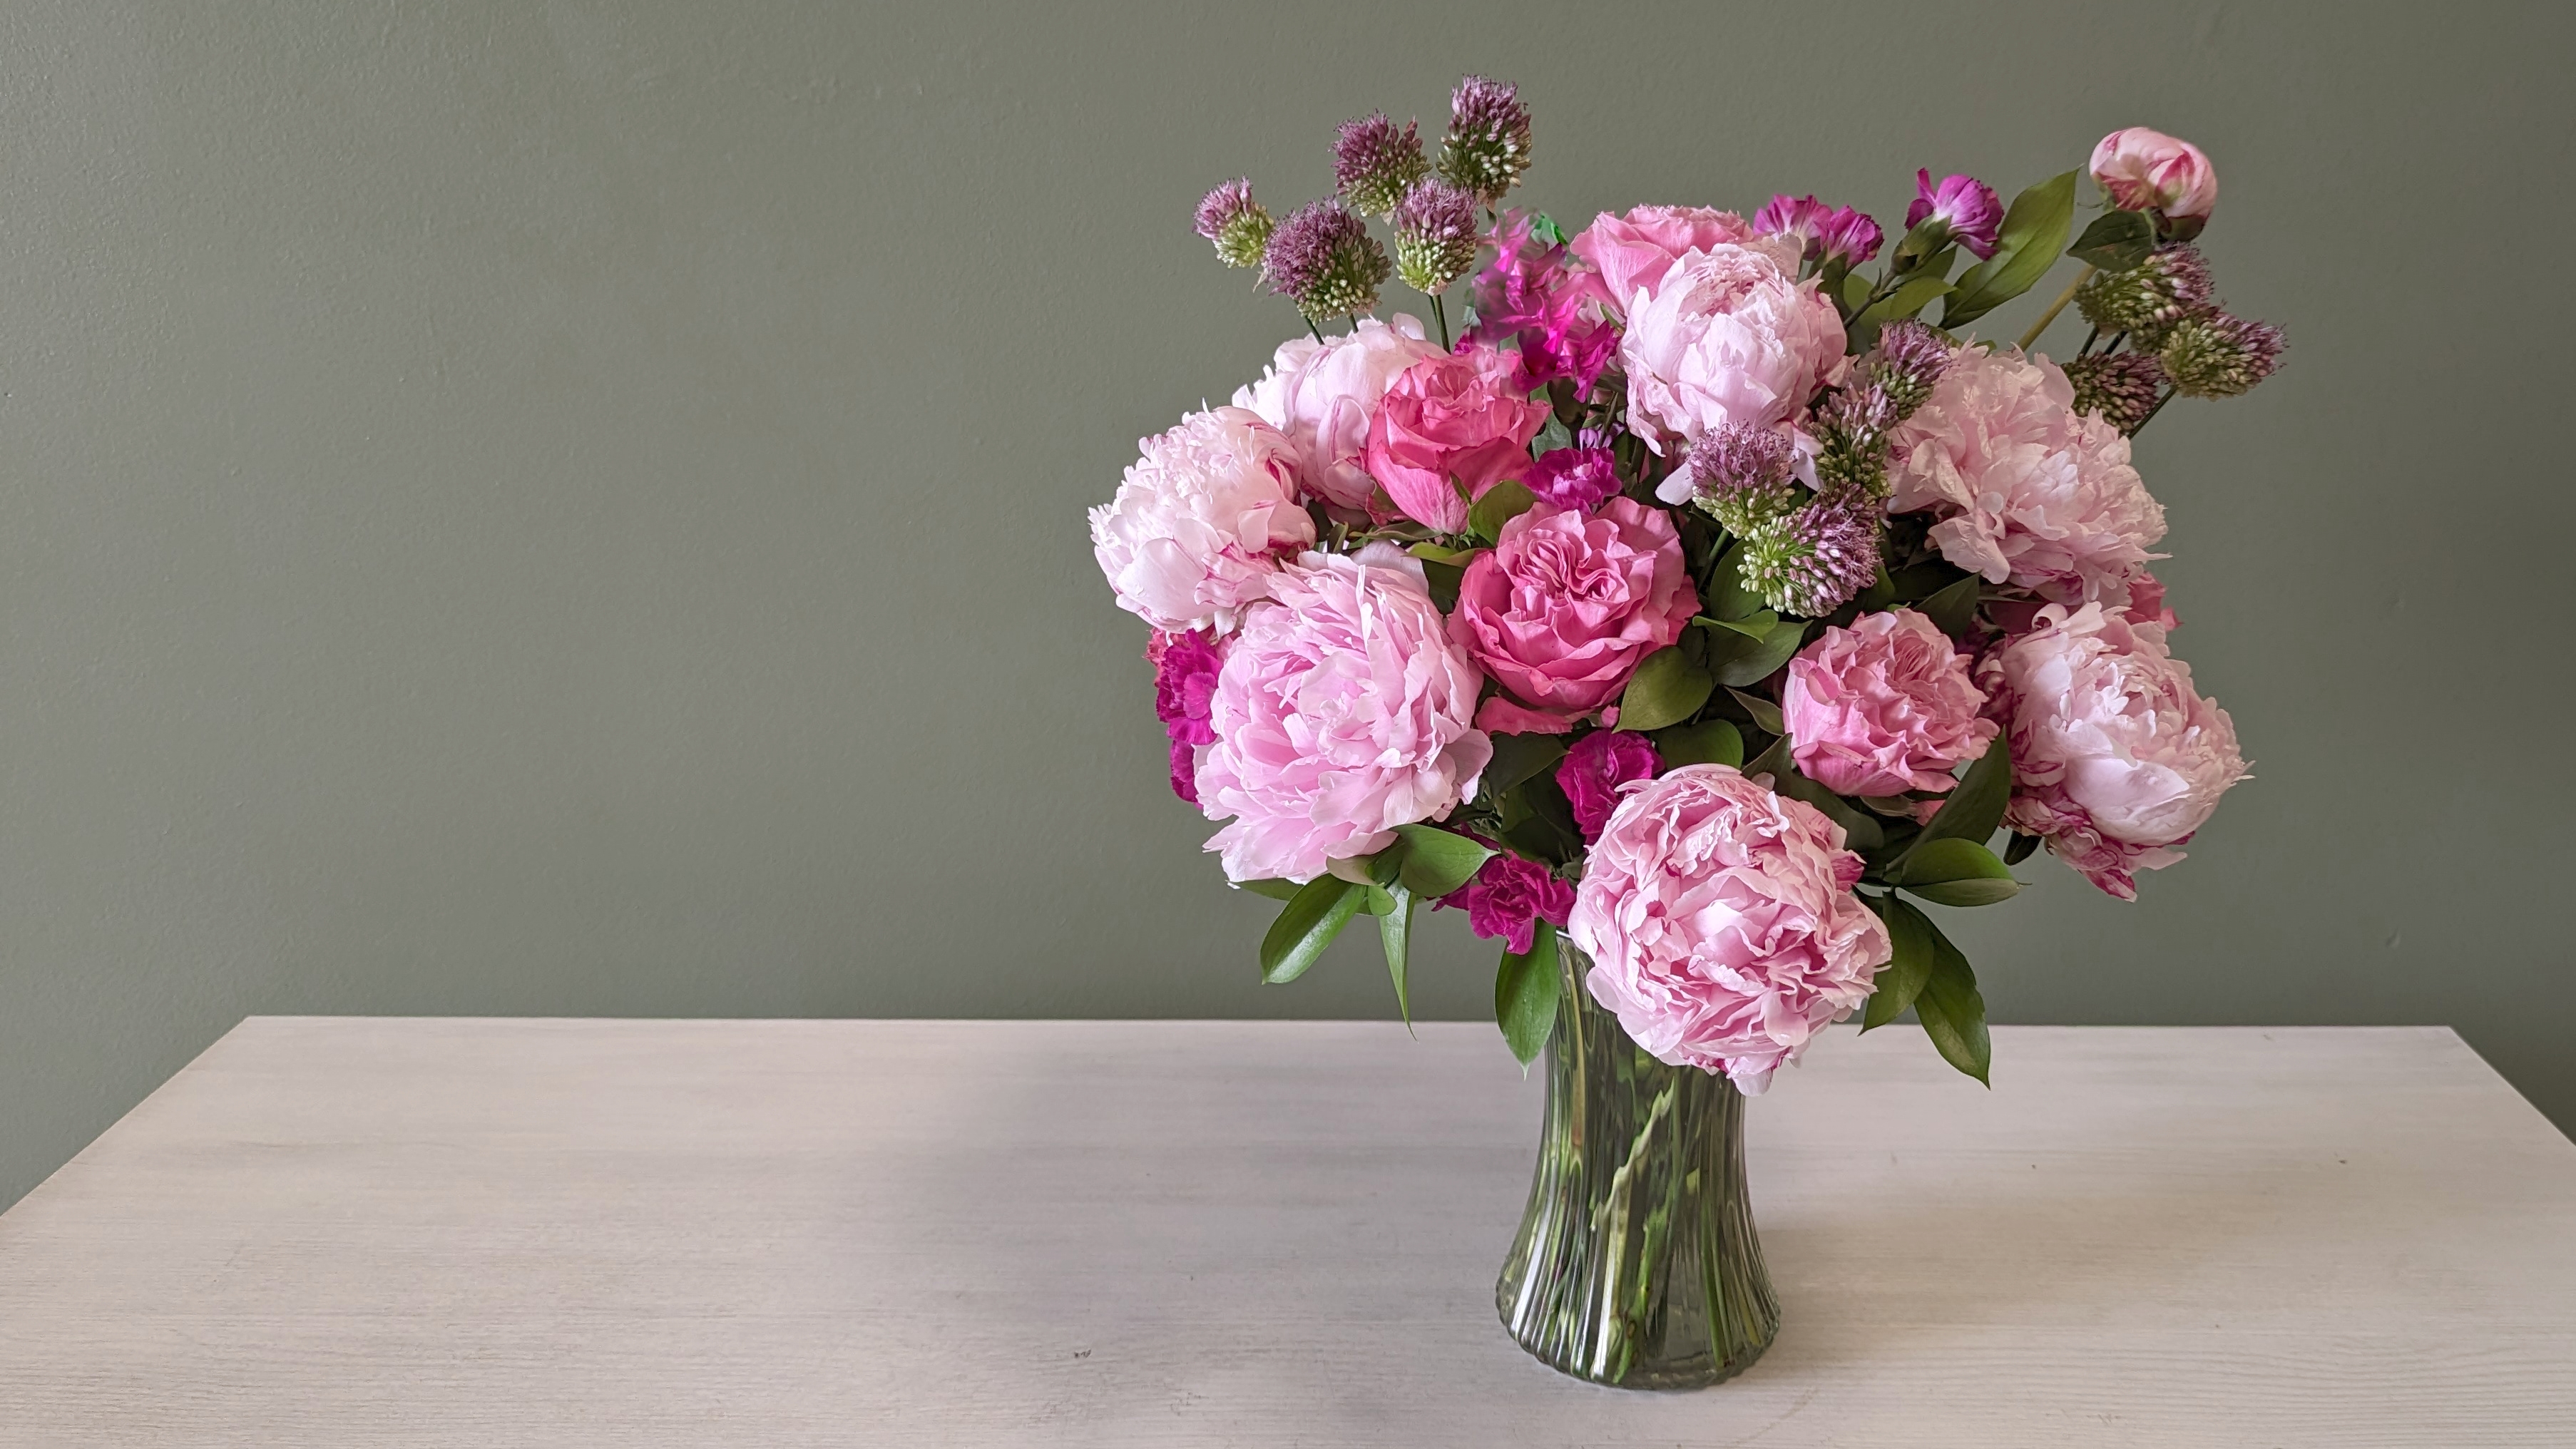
(1440, 314)
(2054, 308)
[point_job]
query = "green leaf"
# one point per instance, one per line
(1395, 933)
(1306, 925)
(1544, 227)
(1954, 872)
(1276, 889)
(1954, 608)
(1976, 892)
(1976, 803)
(1762, 660)
(1855, 292)
(1752, 626)
(1772, 761)
(1438, 553)
(1501, 504)
(1516, 758)
(1901, 979)
(1442, 580)
(1764, 712)
(1665, 690)
(1710, 742)
(1728, 597)
(2020, 848)
(2116, 241)
(1912, 297)
(1921, 581)
(1525, 992)
(1953, 1013)
(2033, 233)
(1437, 861)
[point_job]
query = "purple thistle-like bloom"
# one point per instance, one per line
(1374, 164)
(1435, 236)
(1234, 222)
(1324, 257)
(2217, 354)
(1910, 357)
(1814, 560)
(2122, 386)
(1965, 205)
(1738, 474)
(2171, 284)
(1826, 234)
(1575, 478)
(1488, 145)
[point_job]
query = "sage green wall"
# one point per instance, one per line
(575, 507)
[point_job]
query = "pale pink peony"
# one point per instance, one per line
(2116, 758)
(2027, 491)
(1721, 923)
(1342, 712)
(1730, 336)
(2144, 170)
(1883, 707)
(1633, 252)
(1457, 421)
(1193, 533)
(1565, 606)
(1321, 394)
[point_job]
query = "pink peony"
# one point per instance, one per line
(1321, 395)
(2116, 758)
(1594, 769)
(2143, 170)
(1633, 252)
(1721, 923)
(1451, 422)
(1731, 336)
(1509, 897)
(1342, 712)
(1554, 308)
(1565, 606)
(1883, 707)
(1192, 534)
(2027, 491)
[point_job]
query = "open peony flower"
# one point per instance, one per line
(1721, 923)
(2145, 170)
(1450, 422)
(1342, 712)
(1565, 606)
(1594, 769)
(1633, 252)
(1192, 534)
(1728, 336)
(1509, 897)
(1322, 394)
(1883, 707)
(2116, 758)
(2028, 492)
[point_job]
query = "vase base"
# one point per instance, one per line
(1670, 1378)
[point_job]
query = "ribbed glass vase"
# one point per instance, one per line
(1637, 1264)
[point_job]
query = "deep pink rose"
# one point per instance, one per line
(1322, 394)
(1730, 336)
(1509, 897)
(1552, 306)
(1633, 252)
(1564, 607)
(1594, 769)
(1721, 923)
(1196, 529)
(1883, 707)
(2144, 170)
(1451, 422)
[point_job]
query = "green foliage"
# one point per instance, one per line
(1306, 925)
(1976, 803)
(2033, 233)
(1710, 742)
(1953, 609)
(1953, 1013)
(1739, 659)
(1901, 979)
(1517, 758)
(2020, 848)
(1395, 933)
(1755, 626)
(1764, 712)
(1501, 504)
(1435, 862)
(1728, 597)
(1442, 581)
(1276, 889)
(1954, 872)
(2116, 241)
(1525, 995)
(1906, 301)
(1667, 689)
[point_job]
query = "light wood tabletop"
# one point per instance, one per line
(693, 1233)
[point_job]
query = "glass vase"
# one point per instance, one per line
(1637, 1265)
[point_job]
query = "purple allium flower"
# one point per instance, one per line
(1488, 145)
(1908, 360)
(1507, 899)
(1826, 234)
(2121, 386)
(1435, 236)
(2171, 284)
(1811, 561)
(1575, 478)
(1963, 204)
(1374, 164)
(1324, 257)
(1236, 223)
(1595, 768)
(1738, 474)
(2216, 354)
(1853, 424)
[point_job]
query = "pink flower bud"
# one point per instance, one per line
(2144, 170)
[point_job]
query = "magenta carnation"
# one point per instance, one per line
(1323, 393)
(1633, 252)
(1594, 769)
(1825, 234)
(1193, 533)
(1728, 336)
(1449, 428)
(1552, 306)
(1721, 923)
(1883, 707)
(1565, 606)
(1509, 897)
(1574, 478)
(1967, 206)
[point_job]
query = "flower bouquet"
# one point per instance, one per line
(1692, 615)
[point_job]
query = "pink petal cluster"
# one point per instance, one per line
(2144, 170)
(1193, 533)
(1967, 206)
(1565, 606)
(1728, 335)
(1824, 233)
(1883, 707)
(1452, 422)
(1721, 923)
(1575, 478)
(1509, 897)
(1342, 712)
(1633, 252)
(2116, 758)
(1594, 769)
(2028, 491)
(1185, 670)
(1322, 394)
(1553, 307)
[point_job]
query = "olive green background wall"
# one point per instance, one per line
(576, 507)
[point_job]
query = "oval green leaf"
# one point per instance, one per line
(1525, 995)
(2033, 233)
(1665, 690)
(1437, 861)
(1306, 925)
(1501, 504)
(1901, 979)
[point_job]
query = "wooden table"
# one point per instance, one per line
(694, 1233)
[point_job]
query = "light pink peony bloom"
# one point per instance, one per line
(1883, 707)
(2116, 758)
(1730, 336)
(1633, 252)
(1565, 606)
(1192, 534)
(1321, 394)
(1721, 923)
(1342, 712)
(2144, 170)
(2027, 491)
(1451, 422)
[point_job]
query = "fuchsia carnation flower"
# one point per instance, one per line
(2116, 758)
(1450, 422)
(1883, 707)
(2028, 492)
(1555, 308)
(1192, 534)
(1509, 897)
(1185, 670)
(2144, 170)
(1721, 923)
(1728, 336)
(1594, 769)
(1322, 395)
(1633, 252)
(1825, 234)
(1575, 478)
(1967, 206)
(1564, 607)
(1342, 712)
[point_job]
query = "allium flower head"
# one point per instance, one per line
(2171, 284)
(1236, 223)
(2121, 386)
(2216, 354)
(1908, 360)
(1853, 425)
(1324, 257)
(1374, 164)
(1967, 206)
(1488, 145)
(1812, 561)
(1825, 234)
(1435, 236)
(1739, 474)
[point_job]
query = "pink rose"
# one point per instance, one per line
(1321, 395)
(1883, 707)
(2116, 758)
(1721, 923)
(2028, 492)
(1731, 336)
(1342, 712)
(1450, 422)
(1509, 897)
(1564, 606)
(1633, 252)
(1193, 533)
(1594, 769)
(2143, 170)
